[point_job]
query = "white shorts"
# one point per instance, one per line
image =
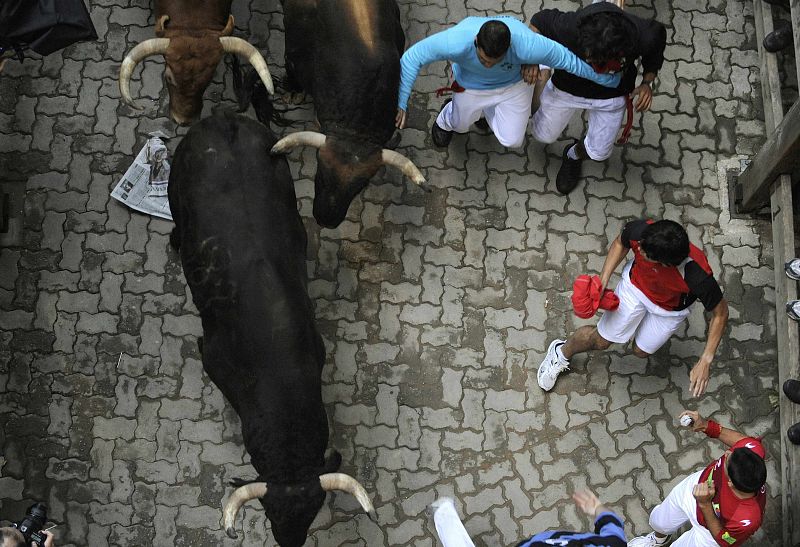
(506, 109)
(637, 314)
(676, 510)
(557, 108)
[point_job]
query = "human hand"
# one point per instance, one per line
(588, 502)
(530, 73)
(645, 94)
(703, 493)
(49, 541)
(698, 376)
(400, 118)
(699, 423)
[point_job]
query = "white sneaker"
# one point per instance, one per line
(551, 366)
(650, 540)
(792, 268)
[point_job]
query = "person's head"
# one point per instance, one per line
(607, 40)
(493, 40)
(11, 537)
(665, 242)
(746, 470)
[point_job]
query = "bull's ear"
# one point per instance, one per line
(333, 461)
(236, 482)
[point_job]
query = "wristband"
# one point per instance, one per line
(713, 429)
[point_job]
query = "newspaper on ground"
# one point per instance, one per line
(144, 185)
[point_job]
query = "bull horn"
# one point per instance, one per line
(153, 46)
(346, 483)
(300, 138)
(240, 496)
(398, 160)
(228, 30)
(244, 48)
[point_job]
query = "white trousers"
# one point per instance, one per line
(557, 108)
(680, 507)
(451, 532)
(506, 109)
(638, 315)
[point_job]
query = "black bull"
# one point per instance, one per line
(242, 245)
(346, 53)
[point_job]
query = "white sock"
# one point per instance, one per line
(560, 354)
(572, 153)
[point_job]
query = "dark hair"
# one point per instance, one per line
(11, 535)
(607, 36)
(665, 241)
(746, 470)
(494, 38)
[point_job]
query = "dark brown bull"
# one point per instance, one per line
(346, 53)
(192, 36)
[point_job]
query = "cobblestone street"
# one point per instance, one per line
(436, 309)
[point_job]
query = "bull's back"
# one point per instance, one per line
(240, 236)
(194, 14)
(352, 66)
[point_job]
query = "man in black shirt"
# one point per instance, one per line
(610, 40)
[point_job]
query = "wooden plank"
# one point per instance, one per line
(773, 109)
(795, 16)
(780, 155)
(785, 248)
(788, 356)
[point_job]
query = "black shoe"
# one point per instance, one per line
(791, 388)
(781, 3)
(779, 38)
(441, 137)
(794, 433)
(570, 173)
(482, 124)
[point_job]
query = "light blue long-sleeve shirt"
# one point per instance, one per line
(457, 44)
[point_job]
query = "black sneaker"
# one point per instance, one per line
(570, 173)
(779, 38)
(482, 124)
(793, 433)
(791, 388)
(441, 137)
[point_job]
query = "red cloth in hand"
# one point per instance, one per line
(586, 297)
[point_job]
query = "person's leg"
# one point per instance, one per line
(553, 115)
(509, 117)
(605, 119)
(670, 514)
(462, 111)
(448, 526)
(584, 339)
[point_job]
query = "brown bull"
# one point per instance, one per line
(192, 36)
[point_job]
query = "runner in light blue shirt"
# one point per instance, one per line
(494, 60)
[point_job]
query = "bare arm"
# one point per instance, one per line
(727, 436)
(704, 494)
(616, 254)
(698, 377)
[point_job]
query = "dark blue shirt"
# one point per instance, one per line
(609, 531)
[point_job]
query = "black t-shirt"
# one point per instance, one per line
(563, 28)
(671, 287)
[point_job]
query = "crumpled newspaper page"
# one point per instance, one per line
(143, 187)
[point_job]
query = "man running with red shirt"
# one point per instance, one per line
(724, 502)
(667, 274)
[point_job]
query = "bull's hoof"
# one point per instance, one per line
(293, 98)
(231, 533)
